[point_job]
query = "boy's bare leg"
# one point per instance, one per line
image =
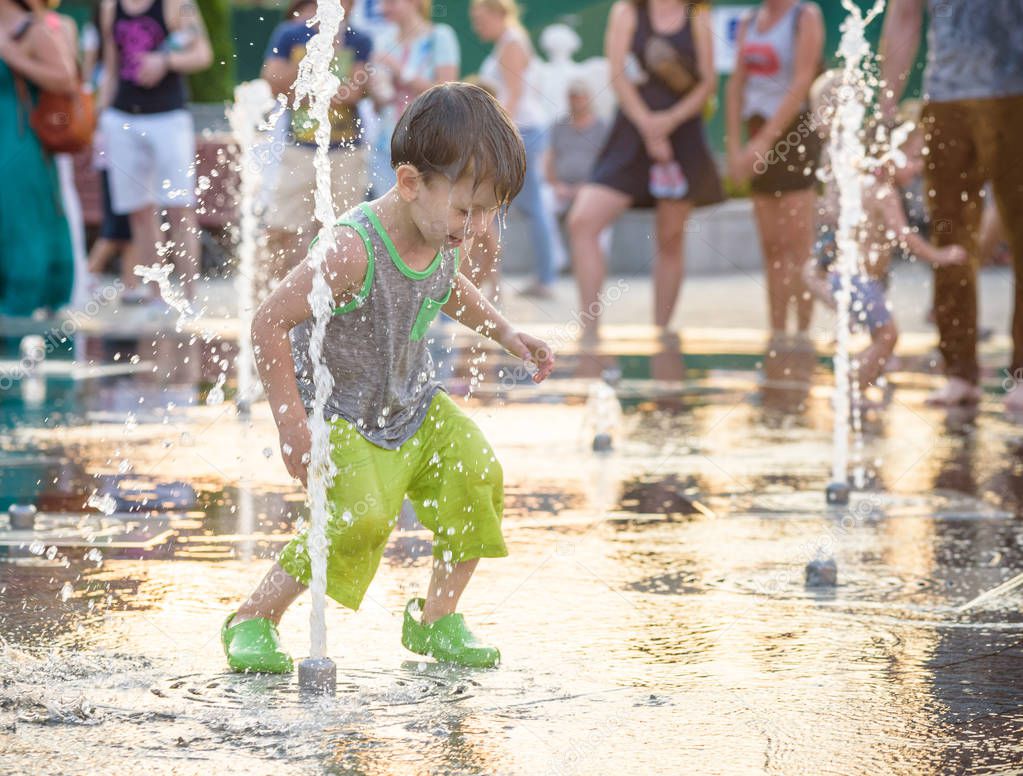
(273, 596)
(446, 586)
(874, 359)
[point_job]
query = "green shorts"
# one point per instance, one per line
(448, 471)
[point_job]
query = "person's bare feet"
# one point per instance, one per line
(955, 393)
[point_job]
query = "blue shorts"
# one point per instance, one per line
(869, 306)
(825, 248)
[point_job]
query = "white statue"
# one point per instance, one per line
(560, 42)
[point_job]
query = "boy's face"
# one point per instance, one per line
(448, 214)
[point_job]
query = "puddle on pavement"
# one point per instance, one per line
(653, 615)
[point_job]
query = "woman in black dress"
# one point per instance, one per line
(662, 59)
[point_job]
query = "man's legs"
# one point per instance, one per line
(1003, 130)
(955, 177)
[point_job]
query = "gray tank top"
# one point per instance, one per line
(375, 348)
(770, 60)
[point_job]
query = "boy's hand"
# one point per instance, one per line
(295, 446)
(533, 351)
(951, 254)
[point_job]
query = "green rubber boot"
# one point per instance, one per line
(448, 639)
(254, 646)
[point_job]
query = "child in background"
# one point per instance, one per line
(458, 160)
(886, 228)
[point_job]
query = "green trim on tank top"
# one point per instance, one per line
(360, 298)
(404, 268)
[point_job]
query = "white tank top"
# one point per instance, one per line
(530, 110)
(770, 60)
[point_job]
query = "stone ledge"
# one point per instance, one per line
(720, 240)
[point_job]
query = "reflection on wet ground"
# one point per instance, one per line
(653, 614)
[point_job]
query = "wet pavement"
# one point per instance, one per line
(653, 615)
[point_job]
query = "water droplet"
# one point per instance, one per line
(105, 503)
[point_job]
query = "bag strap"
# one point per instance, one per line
(23, 27)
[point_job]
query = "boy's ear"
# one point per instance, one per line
(409, 180)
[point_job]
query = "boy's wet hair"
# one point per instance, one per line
(457, 129)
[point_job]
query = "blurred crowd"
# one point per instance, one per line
(942, 197)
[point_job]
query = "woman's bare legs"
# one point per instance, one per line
(669, 263)
(785, 226)
(102, 251)
(595, 208)
(804, 219)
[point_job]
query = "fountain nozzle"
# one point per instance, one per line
(837, 493)
(822, 572)
(22, 516)
(317, 675)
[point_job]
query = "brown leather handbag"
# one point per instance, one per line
(64, 123)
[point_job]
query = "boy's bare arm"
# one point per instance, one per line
(284, 309)
(889, 206)
(470, 308)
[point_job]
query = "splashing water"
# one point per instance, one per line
(252, 100)
(317, 84)
(848, 156)
(216, 394)
(160, 274)
(104, 502)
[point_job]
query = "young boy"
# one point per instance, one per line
(886, 228)
(458, 160)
